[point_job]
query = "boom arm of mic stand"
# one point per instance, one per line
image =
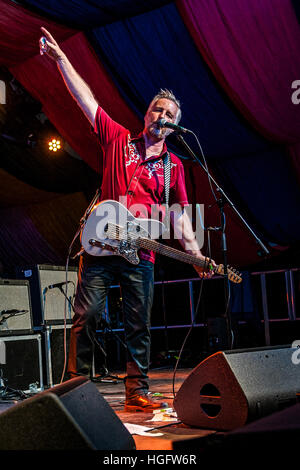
(223, 194)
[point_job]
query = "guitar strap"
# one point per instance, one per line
(167, 180)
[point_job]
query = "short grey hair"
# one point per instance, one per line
(168, 95)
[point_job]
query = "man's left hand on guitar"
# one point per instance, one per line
(202, 272)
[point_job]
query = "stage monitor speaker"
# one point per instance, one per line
(69, 416)
(230, 388)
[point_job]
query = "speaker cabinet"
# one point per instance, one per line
(57, 341)
(231, 388)
(14, 298)
(69, 416)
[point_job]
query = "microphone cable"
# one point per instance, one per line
(201, 285)
(227, 297)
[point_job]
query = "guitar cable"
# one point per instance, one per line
(66, 303)
(81, 223)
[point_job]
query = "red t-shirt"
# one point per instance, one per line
(127, 172)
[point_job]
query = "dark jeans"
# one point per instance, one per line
(94, 280)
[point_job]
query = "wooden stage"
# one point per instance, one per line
(274, 437)
(164, 431)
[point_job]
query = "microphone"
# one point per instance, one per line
(14, 311)
(170, 125)
(58, 284)
(6, 314)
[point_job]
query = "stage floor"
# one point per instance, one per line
(164, 431)
(161, 431)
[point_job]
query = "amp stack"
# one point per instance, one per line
(51, 296)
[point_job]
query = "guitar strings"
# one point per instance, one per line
(152, 244)
(116, 232)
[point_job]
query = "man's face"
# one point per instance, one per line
(161, 109)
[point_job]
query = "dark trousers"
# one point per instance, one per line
(136, 283)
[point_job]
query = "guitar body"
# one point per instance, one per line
(95, 236)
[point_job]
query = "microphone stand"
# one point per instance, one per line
(67, 298)
(222, 201)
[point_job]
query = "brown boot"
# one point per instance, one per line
(144, 403)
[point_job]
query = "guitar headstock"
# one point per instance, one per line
(233, 274)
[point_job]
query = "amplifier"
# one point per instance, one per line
(51, 297)
(15, 307)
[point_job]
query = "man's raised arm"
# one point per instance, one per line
(80, 91)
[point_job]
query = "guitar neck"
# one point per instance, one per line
(169, 251)
(117, 233)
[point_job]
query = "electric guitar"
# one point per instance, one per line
(111, 229)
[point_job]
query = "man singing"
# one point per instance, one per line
(133, 168)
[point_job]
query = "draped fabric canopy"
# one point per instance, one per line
(20, 30)
(243, 44)
(230, 63)
(86, 15)
(262, 66)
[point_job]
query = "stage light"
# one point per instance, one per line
(54, 145)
